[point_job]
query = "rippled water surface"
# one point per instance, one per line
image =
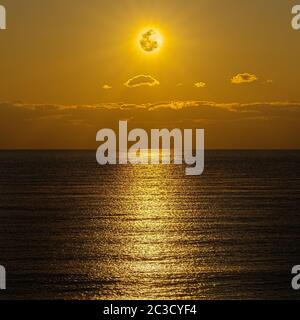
(72, 229)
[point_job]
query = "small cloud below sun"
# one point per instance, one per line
(200, 84)
(106, 87)
(141, 80)
(244, 78)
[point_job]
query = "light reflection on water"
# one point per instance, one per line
(151, 239)
(72, 229)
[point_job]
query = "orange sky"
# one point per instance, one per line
(70, 68)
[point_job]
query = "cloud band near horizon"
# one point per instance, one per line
(228, 125)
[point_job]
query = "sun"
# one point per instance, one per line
(150, 40)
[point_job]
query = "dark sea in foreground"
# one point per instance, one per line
(70, 229)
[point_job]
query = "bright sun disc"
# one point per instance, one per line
(150, 40)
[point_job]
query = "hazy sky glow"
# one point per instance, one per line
(70, 67)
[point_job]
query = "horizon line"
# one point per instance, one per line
(207, 149)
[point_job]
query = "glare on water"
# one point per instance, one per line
(79, 230)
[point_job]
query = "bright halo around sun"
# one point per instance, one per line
(150, 40)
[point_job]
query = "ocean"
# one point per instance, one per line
(71, 229)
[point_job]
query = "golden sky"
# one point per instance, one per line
(71, 67)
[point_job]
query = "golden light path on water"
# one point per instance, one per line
(149, 267)
(149, 249)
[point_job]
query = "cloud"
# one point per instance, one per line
(200, 84)
(173, 105)
(199, 109)
(228, 125)
(141, 80)
(244, 78)
(106, 87)
(268, 82)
